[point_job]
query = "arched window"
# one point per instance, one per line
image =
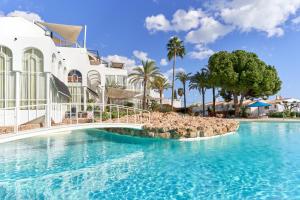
(60, 70)
(65, 73)
(94, 78)
(75, 86)
(7, 78)
(33, 79)
(74, 76)
(53, 64)
(53, 58)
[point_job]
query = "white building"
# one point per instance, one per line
(279, 104)
(42, 64)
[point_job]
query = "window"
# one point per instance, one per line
(53, 58)
(75, 86)
(65, 73)
(53, 64)
(122, 80)
(110, 80)
(74, 76)
(60, 70)
(7, 78)
(33, 80)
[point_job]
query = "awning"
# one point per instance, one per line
(92, 92)
(258, 104)
(61, 87)
(117, 65)
(119, 93)
(68, 32)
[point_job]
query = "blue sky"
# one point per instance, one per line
(135, 29)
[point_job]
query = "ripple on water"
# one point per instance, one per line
(262, 161)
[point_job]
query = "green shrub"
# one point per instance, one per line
(293, 114)
(231, 112)
(165, 108)
(114, 114)
(277, 115)
(129, 104)
(154, 105)
(243, 112)
(105, 116)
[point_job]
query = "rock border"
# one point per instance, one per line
(178, 126)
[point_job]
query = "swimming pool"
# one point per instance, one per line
(261, 161)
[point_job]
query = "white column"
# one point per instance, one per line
(84, 41)
(84, 98)
(48, 101)
(103, 98)
(17, 98)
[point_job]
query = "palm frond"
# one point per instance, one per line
(175, 47)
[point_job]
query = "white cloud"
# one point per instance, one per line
(296, 20)
(209, 31)
(163, 62)
(201, 52)
(203, 28)
(261, 15)
(168, 74)
(182, 21)
(187, 20)
(141, 55)
(157, 23)
(129, 63)
(30, 16)
(224, 16)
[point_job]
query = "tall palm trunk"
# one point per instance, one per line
(203, 101)
(160, 97)
(184, 97)
(214, 100)
(236, 105)
(173, 80)
(144, 95)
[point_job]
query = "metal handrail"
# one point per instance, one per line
(56, 114)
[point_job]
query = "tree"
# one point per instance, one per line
(175, 94)
(288, 107)
(180, 92)
(160, 84)
(227, 96)
(175, 48)
(243, 75)
(183, 78)
(212, 82)
(199, 81)
(145, 74)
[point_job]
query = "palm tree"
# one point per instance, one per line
(175, 48)
(183, 78)
(180, 92)
(199, 81)
(212, 85)
(160, 84)
(147, 72)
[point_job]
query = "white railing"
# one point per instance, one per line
(13, 120)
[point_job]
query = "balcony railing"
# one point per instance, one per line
(44, 116)
(74, 79)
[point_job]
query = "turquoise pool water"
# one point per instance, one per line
(262, 161)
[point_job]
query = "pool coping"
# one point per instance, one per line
(268, 120)
(4, 138)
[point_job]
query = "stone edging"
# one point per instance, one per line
(205, 138)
